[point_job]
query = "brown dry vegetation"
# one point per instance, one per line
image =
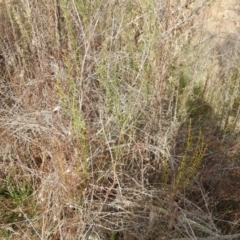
(118, 120)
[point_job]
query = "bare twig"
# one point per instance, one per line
(223, 237)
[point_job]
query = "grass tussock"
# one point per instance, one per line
(118, 120)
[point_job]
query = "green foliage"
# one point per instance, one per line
(199, 111)
(193, 154)
(183, 82)
(235, 91)
(21, 24)
(165, 172)
(15, 198)
(124, 79)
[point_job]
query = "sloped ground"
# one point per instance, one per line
(146, 138)
(219, 22)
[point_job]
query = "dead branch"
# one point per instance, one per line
(223, 237)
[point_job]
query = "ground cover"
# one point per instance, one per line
(119, 119)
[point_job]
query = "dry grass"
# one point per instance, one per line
(111, 122)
